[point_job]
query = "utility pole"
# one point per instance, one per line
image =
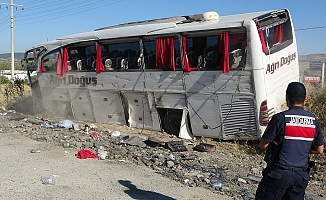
(12, 5)
(322, 75)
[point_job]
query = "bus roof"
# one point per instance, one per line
(154, 27)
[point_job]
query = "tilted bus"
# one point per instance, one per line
(198, 75)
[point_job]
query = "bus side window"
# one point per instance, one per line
(237, 50)
(278, 35)
(122, 56)
(90, 55)
(73, 54)
(211, 54)
(176, 52)
(50, 61)
(149, 54)
(277, 32)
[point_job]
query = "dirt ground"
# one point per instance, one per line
(132, 169)
(80, 178)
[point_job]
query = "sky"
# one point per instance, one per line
(39, 21)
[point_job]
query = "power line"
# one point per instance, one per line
(58, 10)
(33, 2)
(45, 4)
(60, 15)
(310, 28)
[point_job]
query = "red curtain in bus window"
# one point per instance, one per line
(42, 67)
(65, 61)
(99, 64)
(186, 66)
(59, 65)
(224, 51)
(262, 40)
(62, 65)
(165, 53)
(278, 34)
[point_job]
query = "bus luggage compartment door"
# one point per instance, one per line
(142, 111)
(204, 115)
(107, 106)
(81, 103)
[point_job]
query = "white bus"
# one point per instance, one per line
(198, 75)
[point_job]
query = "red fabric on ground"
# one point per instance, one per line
(83, 154)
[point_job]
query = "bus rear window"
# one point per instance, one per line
(277, 32)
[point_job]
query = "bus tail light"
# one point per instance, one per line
(264, 114)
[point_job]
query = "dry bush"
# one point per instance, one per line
(315, 103)
(16, 98)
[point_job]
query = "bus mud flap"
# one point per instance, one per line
(185, 132)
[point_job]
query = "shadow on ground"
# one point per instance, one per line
(136, 193)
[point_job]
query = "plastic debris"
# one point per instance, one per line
(66, 124)
(47, 180)
(123, 139)
(35, 151)
(176, 146)
(93, 127)
(205, 147)
(76, 127)
(217, 186)
(95, 134)
(171, 157)
(153, 142)
(86, 129)
(115, 134)
(101, 153)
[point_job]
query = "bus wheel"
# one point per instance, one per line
(172, 121)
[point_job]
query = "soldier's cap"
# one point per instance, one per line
(296, 89)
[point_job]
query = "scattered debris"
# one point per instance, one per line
(203, 147)
(153, 142)
(66, 124)
(35, 151)
(47, 180)
(114, 133)
(176, 146)
(191, 162)
(95, 134)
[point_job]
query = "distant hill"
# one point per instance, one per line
(312, 57)
(18, 56)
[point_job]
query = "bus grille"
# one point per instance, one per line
(239, 119)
